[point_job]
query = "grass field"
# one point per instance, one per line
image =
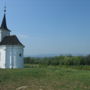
(45, 78)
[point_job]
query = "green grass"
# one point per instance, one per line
(46, 78)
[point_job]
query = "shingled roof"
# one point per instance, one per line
(11, 40)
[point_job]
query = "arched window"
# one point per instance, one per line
(20, 54)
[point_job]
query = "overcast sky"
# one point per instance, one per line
(50, 27)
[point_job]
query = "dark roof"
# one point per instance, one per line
(10, 40)
(4, 24)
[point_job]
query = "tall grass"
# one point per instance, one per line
(46, 78)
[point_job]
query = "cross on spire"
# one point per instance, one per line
(5, 9)
(4, 6)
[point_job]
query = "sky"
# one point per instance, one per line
(50, 27)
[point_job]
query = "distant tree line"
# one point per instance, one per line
(59, 60)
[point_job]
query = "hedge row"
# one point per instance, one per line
(59, 60)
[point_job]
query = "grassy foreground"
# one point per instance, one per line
(45, 78)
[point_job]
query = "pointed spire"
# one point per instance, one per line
(4, 24)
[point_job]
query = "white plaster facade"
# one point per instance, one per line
(3, 33)
(11, 56)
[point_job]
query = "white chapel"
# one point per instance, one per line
(11, 49)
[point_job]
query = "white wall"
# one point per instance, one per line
(3, 33)
(2, 56)
(14, 57)
(11, 57)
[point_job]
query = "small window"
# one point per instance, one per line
(20, 54)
